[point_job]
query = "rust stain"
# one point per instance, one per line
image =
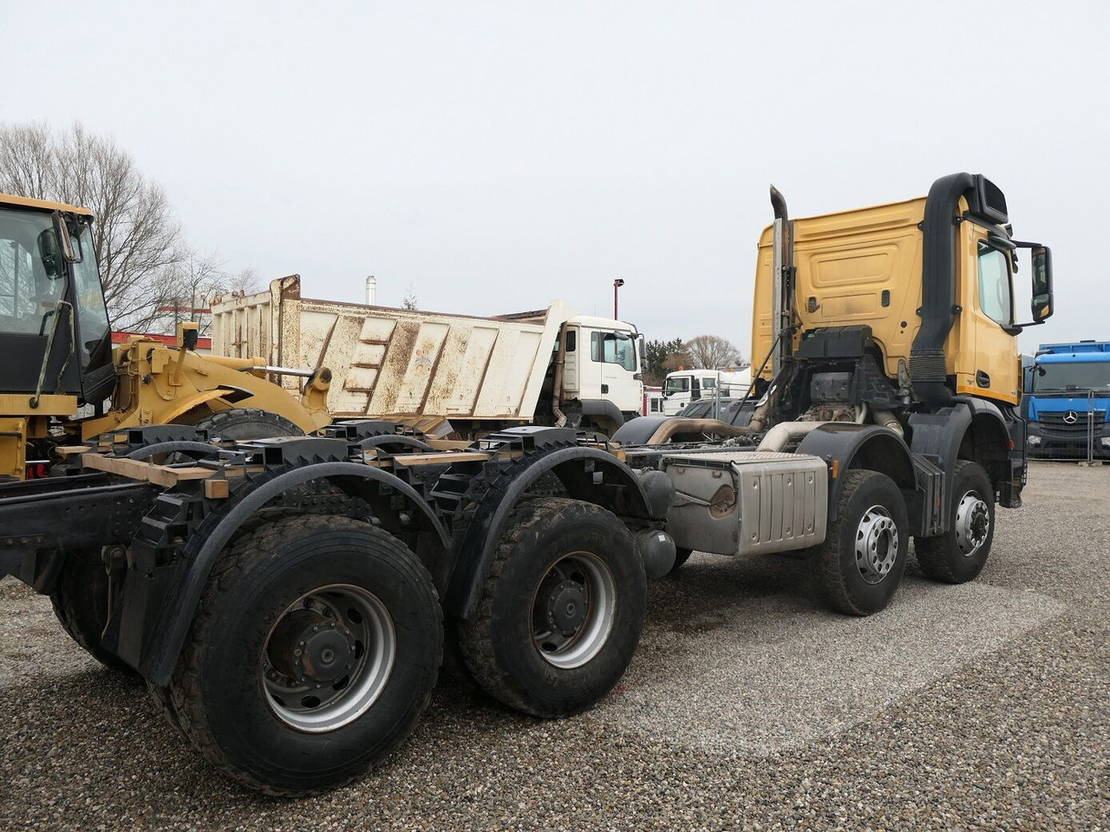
(394, 363)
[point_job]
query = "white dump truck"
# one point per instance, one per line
(684, 386)
(443, 373)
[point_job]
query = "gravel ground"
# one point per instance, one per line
(983, 706)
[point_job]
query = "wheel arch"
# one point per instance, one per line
(588, 474)
(163, 642)
(987, 441)
(846, 446)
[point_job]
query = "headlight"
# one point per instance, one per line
(1034, 440)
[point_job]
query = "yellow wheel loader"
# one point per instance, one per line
(62, 382)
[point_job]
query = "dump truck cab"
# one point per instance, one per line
(54, 331)
(601, 371)
(902, 310)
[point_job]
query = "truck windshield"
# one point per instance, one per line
(678, 384)
(1077, 376)
(31, 270)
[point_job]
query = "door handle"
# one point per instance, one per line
(605, 388)
(982, 379)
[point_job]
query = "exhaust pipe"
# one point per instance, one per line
(782, 273)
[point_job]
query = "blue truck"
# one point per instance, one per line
(1067, 398)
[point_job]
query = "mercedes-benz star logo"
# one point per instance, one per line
(1071, 417)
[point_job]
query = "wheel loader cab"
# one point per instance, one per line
(54, 331)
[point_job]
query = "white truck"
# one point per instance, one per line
(442, 373)
(684, 386)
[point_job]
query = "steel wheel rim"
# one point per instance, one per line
(565, 635)
(876, 544)
(347, 645)
(973, 523)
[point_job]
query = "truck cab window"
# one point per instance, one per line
(613, 348)
(994, 285)
(678, 384)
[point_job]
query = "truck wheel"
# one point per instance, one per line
(960, 554)
(247, 423)
(80, 602)
(561, 610)
(864, 554)
(313, 653)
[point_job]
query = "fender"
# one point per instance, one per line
(589, 481)
(411, 442)
(986, 409)
(108, 423)
(163, 642)
(603, 408)
(938, 437)
(844, 445)
(183, 446)
(998, 444)
(638, 431)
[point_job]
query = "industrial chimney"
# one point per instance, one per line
(371, 289)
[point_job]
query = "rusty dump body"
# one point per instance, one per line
(420, 368)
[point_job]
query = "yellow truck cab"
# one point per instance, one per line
(914, 300)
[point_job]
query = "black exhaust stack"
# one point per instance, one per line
(938, 290)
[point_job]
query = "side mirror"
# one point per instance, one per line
(61, 227)
(50, 254)
(1042, 284)
(1041, 301)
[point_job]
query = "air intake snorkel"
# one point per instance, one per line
(938, 287)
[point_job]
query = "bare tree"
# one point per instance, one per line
(409, 300)
(244, 282)
(137, 240)
(712, 352)
(194, 284)
(191, 284)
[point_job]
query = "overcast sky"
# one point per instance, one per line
(495, 156)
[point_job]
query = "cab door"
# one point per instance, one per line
(615, 352)
(994, 370)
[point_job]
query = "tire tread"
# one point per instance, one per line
(184, 703)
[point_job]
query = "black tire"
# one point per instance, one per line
(499, 645)
(870, 510)
(221, 688)
(943, 558)
(246, 423)
(80, 601)
(681, 555)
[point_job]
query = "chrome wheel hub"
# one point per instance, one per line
(572, 610)
(973, 522)
(876, 546)
(328, 657)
